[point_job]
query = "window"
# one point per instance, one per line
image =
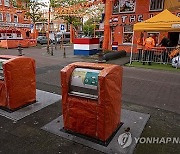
(8, 17)
(1, 17)
(15, 18)
(127, 6)
(18, 34)
(6, 3)
(116, 7)
(127, 34)
(112, 34)
(9, 36)
(156, 5)
(14, 3)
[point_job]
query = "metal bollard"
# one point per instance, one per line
(48, 49)
(64, 54)
(51, 49)
(20, 50)
(100, 57)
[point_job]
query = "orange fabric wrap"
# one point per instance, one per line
(95, 118)
(3, 101)
(20, 82)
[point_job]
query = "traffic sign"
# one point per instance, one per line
(62, 27)
(31, 26)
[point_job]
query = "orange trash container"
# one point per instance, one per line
(17, 81)
(91, 99)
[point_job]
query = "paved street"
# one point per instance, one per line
(144, 90)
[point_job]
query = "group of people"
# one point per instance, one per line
(145, 46)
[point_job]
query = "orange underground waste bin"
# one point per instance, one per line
(91, 99)
(17, 81)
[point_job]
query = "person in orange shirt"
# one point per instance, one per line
(149, 43)
(140, 43)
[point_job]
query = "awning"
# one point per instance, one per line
(164, 21)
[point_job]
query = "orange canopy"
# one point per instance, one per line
(164, 21)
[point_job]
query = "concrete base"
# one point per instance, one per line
(43, 100)
(134, 120)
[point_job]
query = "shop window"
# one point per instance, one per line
(156, 5)
(1, 17)
(8, 17)
(9, 36)
(15, 18)
(6, 3)
(127, 34)
(127, 6)
(116, 7)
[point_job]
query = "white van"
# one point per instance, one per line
(65, 37)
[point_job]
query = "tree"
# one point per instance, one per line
(34, 12)
(65, 10)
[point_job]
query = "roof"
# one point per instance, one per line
(164, 21)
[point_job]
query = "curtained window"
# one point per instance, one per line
(127, 34)
(156, 5)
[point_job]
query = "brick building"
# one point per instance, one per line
(14, 26)
(120, 15)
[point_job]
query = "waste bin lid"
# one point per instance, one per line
(84, 82)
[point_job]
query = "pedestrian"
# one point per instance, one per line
(165, 42)
(55, 41)
(140, 43)
(149, 43)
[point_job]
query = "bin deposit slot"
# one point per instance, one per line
(84, 83)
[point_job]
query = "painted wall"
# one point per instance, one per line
(122, 19)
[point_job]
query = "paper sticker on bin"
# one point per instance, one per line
(17, 81)
(91, 99)
(84, 83)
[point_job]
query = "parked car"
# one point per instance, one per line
(63, 37)
(43, 40)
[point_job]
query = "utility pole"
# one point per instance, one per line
(94, 29)
(49, 18)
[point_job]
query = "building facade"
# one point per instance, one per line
(125, 13)
(14, 25)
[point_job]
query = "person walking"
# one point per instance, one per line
(149, 43)
(140, 43)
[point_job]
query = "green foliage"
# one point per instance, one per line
(88, 29)
(34, 12)
(89, 26)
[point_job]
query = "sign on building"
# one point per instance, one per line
(62, 27)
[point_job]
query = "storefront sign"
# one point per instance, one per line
(19, 25)
(132, 18)
(175, 26)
